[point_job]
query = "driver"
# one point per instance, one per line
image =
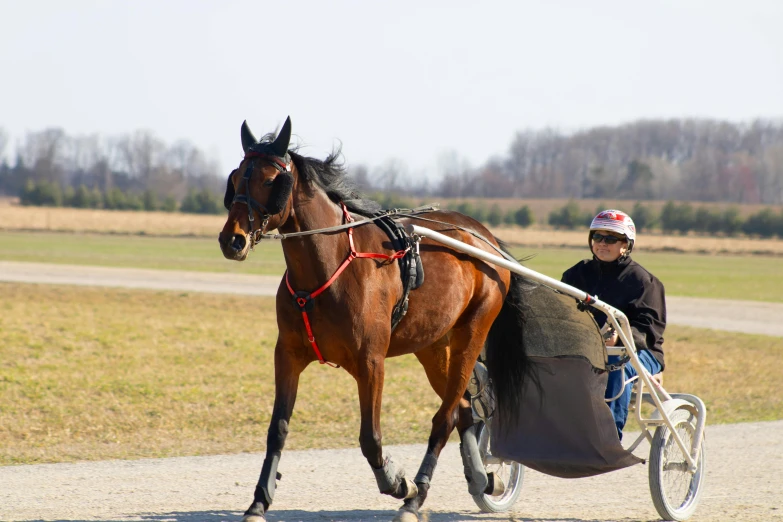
(613, 277)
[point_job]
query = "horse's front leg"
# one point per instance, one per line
(391, 480)
(287, 371)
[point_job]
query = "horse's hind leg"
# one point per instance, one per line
(465, 344)
(287, 371)
(435, 360)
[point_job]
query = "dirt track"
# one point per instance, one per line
(720, 314)
(744, 477)
(744, 483)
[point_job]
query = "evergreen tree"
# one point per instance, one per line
(524, 217)
(495, 215)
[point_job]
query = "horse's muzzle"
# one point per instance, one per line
(233, 246)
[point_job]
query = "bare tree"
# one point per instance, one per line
(3, 141)
(390, 174)
(361, 176)
(141, 153)
(42, 152)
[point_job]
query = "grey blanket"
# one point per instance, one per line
(567, 430)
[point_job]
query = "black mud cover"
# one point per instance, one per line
(566, 430)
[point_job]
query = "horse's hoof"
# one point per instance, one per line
(412, 489)
(404, 515)
(495, 485)
(253, 518)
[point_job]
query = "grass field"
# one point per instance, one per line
(725, 276)
(16, 218)
(754, 278)
(90, 374)
(55, 219)
(167, 253)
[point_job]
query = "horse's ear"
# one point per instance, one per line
(280, 145)
(248, 140)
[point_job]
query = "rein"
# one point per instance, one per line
(354, 223)
(304, 300)
(351, 223)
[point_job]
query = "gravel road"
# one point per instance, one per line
(744, 483)
(744, 468)
(720, 314)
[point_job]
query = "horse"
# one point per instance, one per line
(342, 286)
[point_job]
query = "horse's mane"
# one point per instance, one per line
(330, 175)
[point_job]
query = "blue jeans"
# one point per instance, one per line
(616, 379)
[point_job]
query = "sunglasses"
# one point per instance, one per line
(609, 240)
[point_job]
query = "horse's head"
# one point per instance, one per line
(258, 193)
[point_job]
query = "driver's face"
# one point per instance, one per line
(606, 252)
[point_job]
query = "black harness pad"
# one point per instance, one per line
(411, 268)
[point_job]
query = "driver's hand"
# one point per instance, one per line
(610, 335)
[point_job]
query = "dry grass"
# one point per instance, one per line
(737, 375)
(14, 217)
(90, 374)
(647, 242)
(542, 207)
(17, 217)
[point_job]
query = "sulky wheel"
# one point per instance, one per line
(510, 474)
(675, 491)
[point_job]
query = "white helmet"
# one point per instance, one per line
(615, 221)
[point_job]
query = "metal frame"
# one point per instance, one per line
(664, 402)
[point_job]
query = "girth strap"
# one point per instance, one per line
(411, 271)
(304, 300)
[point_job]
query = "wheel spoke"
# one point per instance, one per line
(675, 489)
(509, 472)
(675, 470)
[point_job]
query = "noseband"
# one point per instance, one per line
(283, 165)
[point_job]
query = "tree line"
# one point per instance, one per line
(672, 218)
(678, 159)
(134, 171)
(680, 218)
(49, 194)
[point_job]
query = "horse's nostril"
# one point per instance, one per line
(238, 244)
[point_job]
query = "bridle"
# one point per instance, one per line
(283, 165)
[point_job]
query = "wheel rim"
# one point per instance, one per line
(679, 485)
(506, 471)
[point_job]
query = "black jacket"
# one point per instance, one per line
(626, 285)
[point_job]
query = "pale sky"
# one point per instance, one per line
(411, 80)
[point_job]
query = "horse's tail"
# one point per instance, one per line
(506, 359)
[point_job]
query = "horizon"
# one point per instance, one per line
(422, 86)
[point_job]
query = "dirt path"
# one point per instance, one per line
(720, 314)
(744, 483)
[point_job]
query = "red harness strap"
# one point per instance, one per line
(304, 300)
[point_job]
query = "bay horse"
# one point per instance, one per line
(334, 305)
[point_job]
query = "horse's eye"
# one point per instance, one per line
(268, 183)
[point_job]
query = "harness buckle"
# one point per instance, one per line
(303, 301)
